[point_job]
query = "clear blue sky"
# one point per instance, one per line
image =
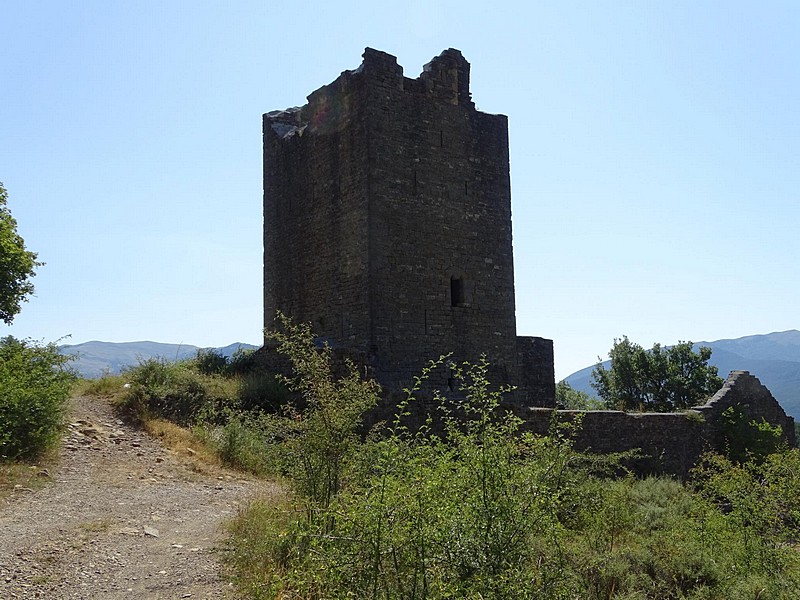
(655, 157)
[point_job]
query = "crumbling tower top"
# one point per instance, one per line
(447, 78)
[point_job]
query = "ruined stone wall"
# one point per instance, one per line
(387, 210)
(670, 443)
(747, 394)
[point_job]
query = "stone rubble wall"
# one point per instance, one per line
(670, 443)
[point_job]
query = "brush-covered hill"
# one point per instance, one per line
(93, 359)
(774, 358)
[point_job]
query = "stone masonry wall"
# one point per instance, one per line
(536, 372)
(440, 225)
(670, 443)
(387, 225)
(315, 214)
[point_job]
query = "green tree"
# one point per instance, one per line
(567, 397)
(661, 379)
(17, 265)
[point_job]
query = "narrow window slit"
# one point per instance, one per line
(456, 291)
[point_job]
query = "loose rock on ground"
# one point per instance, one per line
(122, 517)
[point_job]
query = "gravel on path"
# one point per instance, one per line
(122, 517)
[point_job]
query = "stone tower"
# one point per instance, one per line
(387, 224)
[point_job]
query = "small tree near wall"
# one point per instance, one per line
(662, 379)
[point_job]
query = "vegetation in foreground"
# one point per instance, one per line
(470, 507)
(473, 508)
(34, 383)
(224, 407)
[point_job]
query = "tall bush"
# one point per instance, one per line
(34, 387)
(324, 431)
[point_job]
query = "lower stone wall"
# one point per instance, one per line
(669, 443)
(746, 393)
(535, 368)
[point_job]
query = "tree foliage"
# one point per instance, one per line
(661, 379)
(568, 398)
(17, 265)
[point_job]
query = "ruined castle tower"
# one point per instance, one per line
(387, 224)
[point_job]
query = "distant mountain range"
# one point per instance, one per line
(774, 358)
(93, 359)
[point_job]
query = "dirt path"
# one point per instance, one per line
(121, 518)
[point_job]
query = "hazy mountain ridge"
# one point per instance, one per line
(773, 357)
(96, 358)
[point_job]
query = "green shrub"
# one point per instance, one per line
(34, 386)
(175, 391)
(229, 412)
(755, 517)
(261, 548)
(323, 435)
(240, 447)
(641, 540)
(247, 442)
(260, 391)
(242, 361)
(210, 362)
(748, 439)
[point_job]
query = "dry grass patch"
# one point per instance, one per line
(108, 386)
(182, 441)
(21, 477)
